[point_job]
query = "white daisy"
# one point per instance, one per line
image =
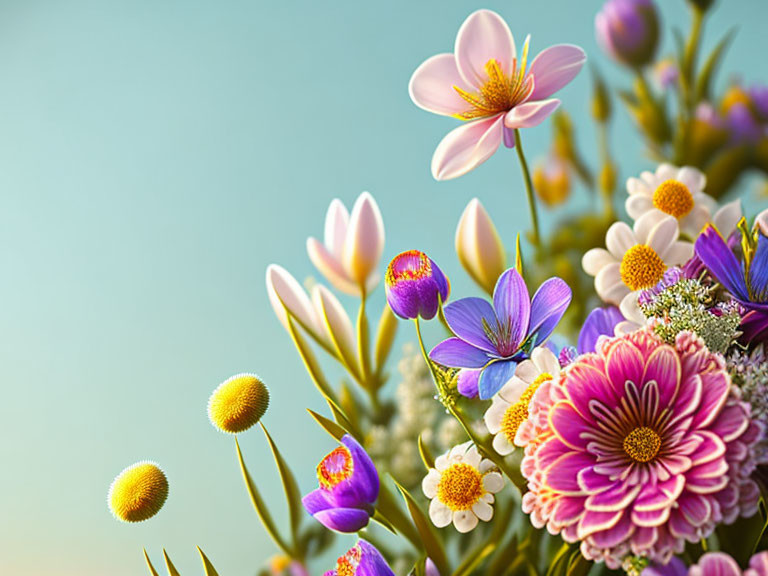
(461, 488)
(727, 217)
(635, 260)
(672, 191)
(509, 408)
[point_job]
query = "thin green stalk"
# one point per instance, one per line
(528, 190)
(606, 193)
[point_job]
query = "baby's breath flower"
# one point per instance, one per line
(238, 403)
(138, 492)
(749, 372)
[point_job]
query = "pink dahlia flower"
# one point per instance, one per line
(484, 83)
(639, 447)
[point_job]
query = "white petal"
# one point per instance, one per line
(595, 259)
(645, 224)
(638, 205)
(679, 253)
(464, 520)
(472, 457)
(430, 482)
(631, 310)
(442, 462)
(495, 414)
(609, 277)
(666, 172)
(439, 513)
(493, 482)
(336, 222)
(512, 390)
(546, 360)
(726, 218)
(483, 510)
(486, 465)
(662, 236)
(638, 186)
(501, 445)
(692, 178)
(693, 223)
(466, 147)
(284, 291)
(527, 372)
(619, 239)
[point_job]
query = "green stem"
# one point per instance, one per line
(528, 190)
(605, 155)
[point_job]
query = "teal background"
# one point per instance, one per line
(155, 157)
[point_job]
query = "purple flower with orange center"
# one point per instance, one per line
(491, 339)
(639, 448)
(349, 487)
(415, 285)
(363, 559)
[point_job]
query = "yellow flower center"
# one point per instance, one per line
(460, 486)
(517, 413)
(641, 267)
(347, 564)
(500, 92)
(138, 493)
(642, 444)
(335, 468)
(673, 197)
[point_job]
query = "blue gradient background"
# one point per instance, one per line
(156, 157)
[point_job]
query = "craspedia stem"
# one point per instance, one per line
(138, 492)
(238, 403)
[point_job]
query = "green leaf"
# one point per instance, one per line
(152, 570)
(169, 565)
(504, 557)
(343, 353)
(426, 457)
(388, 508)
(559, 564)
(260, 506)
(431, 543)
(207, 566)
(364, 343)
(290, 487)
(742, 537)
(704, 81)
(329, 426)
(578, 565)
(474, 559)
(385, 337)
(310, 362)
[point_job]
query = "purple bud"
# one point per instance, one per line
(415, 285)
(628, 30)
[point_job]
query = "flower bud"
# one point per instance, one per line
(601, 100)
(551, 182)
(284, 291)
(415, 285)
(352, 246)
(338, 326)
(479, 247)
(628, 30)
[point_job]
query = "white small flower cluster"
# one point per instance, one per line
(749, 371)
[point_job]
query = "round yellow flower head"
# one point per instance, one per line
(238, 403)
(138, 492)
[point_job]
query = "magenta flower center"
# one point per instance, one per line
(500, 92)
(410, 265)
(335, 468)
(642, 444)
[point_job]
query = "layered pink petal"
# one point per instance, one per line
(482, 37)
(530, 114)
(466, 147)
(554, 68)
(432, 86)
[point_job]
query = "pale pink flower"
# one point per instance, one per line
(484, 83)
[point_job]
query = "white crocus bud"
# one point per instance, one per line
(479, 247)
(336, 322)
(284, 291)
(352, 246)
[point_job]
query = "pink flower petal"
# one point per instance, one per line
(554, 68)
(484, 36)
(561, 476)
(663, 367)
(715, 388)
(615, 498)
(330, 267)
(466, 147)
(432, 86)
(568, 425)
(530, 114)
(624, 363)
(336, 221)
(364, 243)
(593, 522)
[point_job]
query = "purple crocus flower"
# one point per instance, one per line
(748, 284)
(490, 340)
(361, 560)
(628, 30)
(415, 285)
(599, 322)
(349, 487)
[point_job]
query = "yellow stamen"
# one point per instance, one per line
(642, 444)
(460, 486)
(500, 92)
(336, 467)
(517, 413)
(641, 267)
(673, 197)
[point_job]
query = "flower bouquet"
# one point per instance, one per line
(633, 441)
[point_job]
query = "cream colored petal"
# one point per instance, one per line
(442, 462)
(464, 521)
(495, 414)
(678, 253)
(546, 360)
(650, 180)
(631, 310)
(613, 294)
(726, 218)
(486, 465)
(666, 172)
(439, 513)
(483, 510)
(501, 445)
(694, 179)
(430, 482)
(695, 221)
(646, 223)
(638, 186)
(663, 235)
(625, 327)
(364, 243)
(459, 451)
(472, 457)
(336, 222)
(606, 280)
(493, 482)
(512, 390)
(618, 239)
(527, 372)
(638, 205)
(595, 259)
(284, 291)
(331, 268)
(488, 497)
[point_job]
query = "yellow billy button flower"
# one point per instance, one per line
(238, 403)
(635, 259)
(138, 492)
(461, 488)
(509, 407)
